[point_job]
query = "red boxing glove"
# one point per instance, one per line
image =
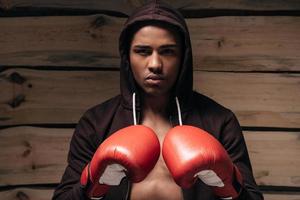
(131, 152)
(192, 153)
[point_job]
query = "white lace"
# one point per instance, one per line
(133, 108)
(178, 111)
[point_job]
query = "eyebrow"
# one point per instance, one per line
(163, 46)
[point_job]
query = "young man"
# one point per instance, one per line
(130, 147)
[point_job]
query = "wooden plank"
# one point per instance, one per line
(275, 157)
(127, 7)
(258, 99)
(219, 44)
(60, 41)
(246, 43)
(53, 96)
(27, 193)
(38, 155)
(46, 194)
(278, 196)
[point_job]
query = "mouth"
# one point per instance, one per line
(154, 79)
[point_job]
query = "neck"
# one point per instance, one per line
(156, 104)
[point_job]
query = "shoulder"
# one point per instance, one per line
(104, 108)
(95, 121)
(214, 117)
(209, 107)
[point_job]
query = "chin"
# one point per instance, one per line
(155, 92)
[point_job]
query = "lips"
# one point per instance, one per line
(154, 79)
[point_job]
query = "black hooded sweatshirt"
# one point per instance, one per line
(116, 113)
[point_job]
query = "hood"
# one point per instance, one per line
(152, 12)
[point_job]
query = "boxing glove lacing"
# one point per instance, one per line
(134, 110)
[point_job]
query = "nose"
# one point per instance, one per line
(155, 63)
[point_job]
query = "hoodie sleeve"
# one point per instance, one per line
(234, 142)
(82, 148)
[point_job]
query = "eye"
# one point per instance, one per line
(168, 52)
(142, 52)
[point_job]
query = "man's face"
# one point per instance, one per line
(155, 58)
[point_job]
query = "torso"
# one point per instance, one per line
(159, 184)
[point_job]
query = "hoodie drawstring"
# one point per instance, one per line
(178, 111)
(134, 110)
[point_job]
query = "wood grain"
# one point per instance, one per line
(236, 62)
(33, 155)
(60, 41)
(278, 196)
(258, 99)
(46, 194)
(219, 43)
(127, 7)
(38, 155)
(27, 194)
(275, 157)
(53, 96)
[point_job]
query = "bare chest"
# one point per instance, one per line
(159, 184)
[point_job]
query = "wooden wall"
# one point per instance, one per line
(58, 58)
